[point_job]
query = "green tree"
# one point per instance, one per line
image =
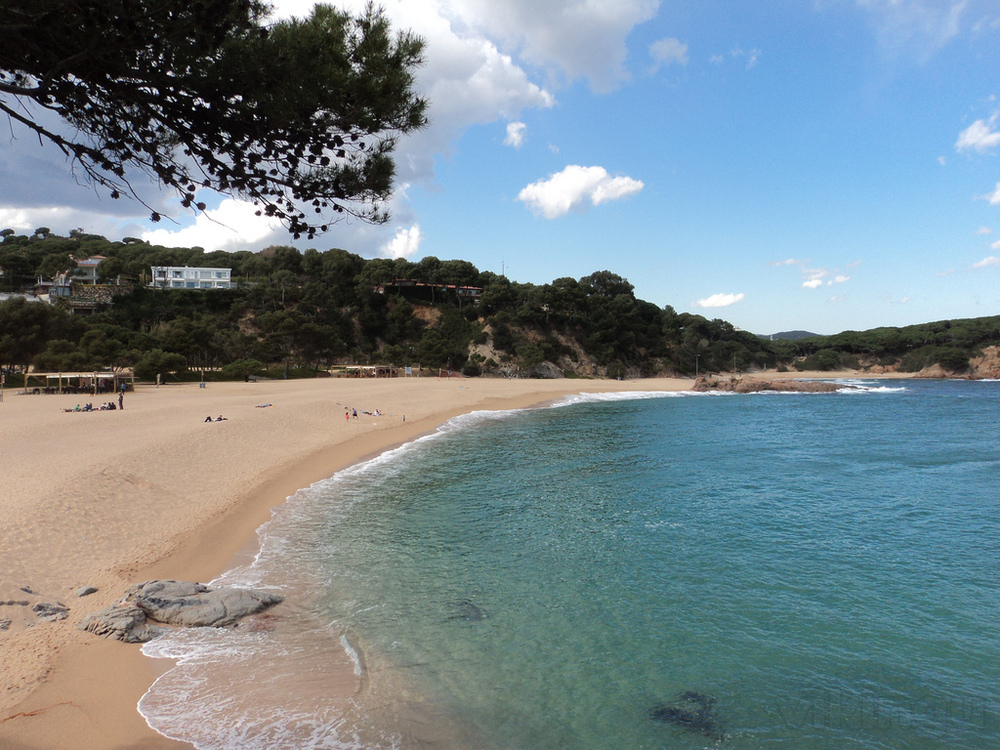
(283, 331)
(241, 369)
(297, 115)
(54, 264)
(953, 359)
(158, 362)
(27, 327)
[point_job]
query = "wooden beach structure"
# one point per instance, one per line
(36, 383)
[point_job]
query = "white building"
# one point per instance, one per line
(86, 269)
(185, 277)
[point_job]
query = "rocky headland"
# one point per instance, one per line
(756, 385)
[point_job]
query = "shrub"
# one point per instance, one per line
(952, 359)
(294, 373)
(240, 369)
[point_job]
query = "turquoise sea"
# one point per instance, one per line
(801, 571)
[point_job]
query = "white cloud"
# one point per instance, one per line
(572, 188)
(667, 51)
(716, 59)
(995, 245)
(786, 262)
(515, 134)
(814, 278)
(990, 262)
(751, 56)
(984, 231)
(942, 161)
(979, 136)
(568, 38)
(720, 300)
(232, 226)
(405, 243)
(994, 197)
(918, 27)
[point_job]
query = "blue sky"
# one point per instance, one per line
(823, 165)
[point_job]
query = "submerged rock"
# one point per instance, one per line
(468, 611)
(175, 603)
(689, 710)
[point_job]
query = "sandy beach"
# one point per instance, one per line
(109, 498)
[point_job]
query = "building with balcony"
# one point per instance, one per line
(185, 277)
(86, 269)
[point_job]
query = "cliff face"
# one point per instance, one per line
(986, 366)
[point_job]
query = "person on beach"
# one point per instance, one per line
(347, 415)
(354, 413)
(121, 399)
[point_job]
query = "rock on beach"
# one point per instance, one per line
(757, 385)
(138, 615)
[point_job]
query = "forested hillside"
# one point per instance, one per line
(299, 313)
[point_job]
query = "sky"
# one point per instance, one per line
(821, 165)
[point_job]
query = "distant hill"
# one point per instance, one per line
(318, 311)
(792, 335)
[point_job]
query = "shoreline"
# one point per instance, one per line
(60, 707)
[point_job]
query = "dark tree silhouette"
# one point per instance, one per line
(300, 116)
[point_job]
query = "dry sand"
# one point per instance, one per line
(109, 498)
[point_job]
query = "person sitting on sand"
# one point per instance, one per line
(208, 418)
(221, 419)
